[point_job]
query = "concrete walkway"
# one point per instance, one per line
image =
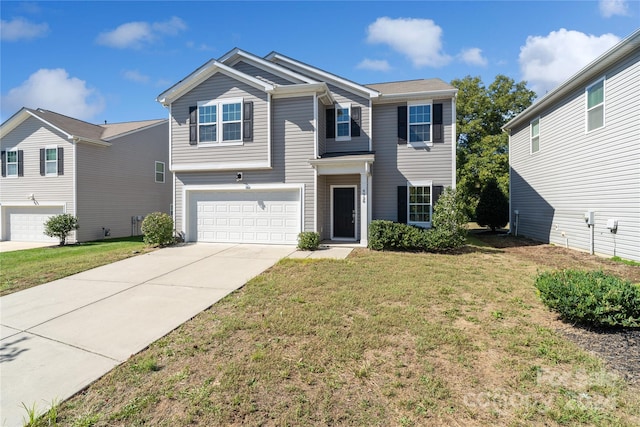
(57, 338)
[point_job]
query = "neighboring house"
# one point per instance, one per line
(110, 176)
(264, 148)
(575, 159)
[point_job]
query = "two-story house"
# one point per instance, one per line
(263, 148)
(109, 176)
(574, 159)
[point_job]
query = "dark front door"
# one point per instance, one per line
(344, 213)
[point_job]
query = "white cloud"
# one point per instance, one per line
(54, 90)
(473, 56)
(21, 29)
(609, 8)
(136, 35)
(546, 61)
(374, 64)
(418, 39)
(135, 76)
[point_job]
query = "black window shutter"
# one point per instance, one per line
(402, 204)
(402, 124)
(20, 163)
(437, 191)
(438, 134)
(247, 122)
(60, 161)
(331, 123)
(193, 125)
(4, 163)
(356, 121)
(42, 154)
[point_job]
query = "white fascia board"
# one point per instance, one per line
(101, 143)
(434, 94)
(320, 89)
(136, 130)
(325, 76)
(200, 75)
(226, 166)
(236, 55)
(23, 115)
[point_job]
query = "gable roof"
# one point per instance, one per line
(413, 89)
(236, 55)
(75, 129)
(582, 78)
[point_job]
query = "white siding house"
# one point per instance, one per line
(575, 159)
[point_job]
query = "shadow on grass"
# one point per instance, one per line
(501, 239)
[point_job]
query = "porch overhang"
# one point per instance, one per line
(344, 164)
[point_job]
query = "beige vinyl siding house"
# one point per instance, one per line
(308, 153)
(109, 176)
(577, 150)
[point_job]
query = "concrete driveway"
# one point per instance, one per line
(57, 338)
(9, 245)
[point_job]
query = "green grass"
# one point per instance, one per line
(377, 339)
(32, 267)
(625, 261)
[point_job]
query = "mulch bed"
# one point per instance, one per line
(619, 348)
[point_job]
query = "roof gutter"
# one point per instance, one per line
(299, 89)
(444, 93)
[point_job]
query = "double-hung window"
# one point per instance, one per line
(160, 172)
(420, 122)
(343, 122)
(51, 161)
(220, 121)
(419, 203)
(595, 105)
(12, 163)
(535, 135)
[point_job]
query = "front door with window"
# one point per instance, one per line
(344, 213)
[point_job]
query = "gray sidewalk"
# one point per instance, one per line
(57, 338)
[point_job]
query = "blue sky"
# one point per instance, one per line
(109, 60)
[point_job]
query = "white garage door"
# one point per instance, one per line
(245, 216)
(26, 224)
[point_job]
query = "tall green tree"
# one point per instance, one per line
(483, 148)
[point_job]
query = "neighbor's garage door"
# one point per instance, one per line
(249, 216)
(26, 224)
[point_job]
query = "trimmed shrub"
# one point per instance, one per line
(449, 222)
(61, 226)
(493, 206)
(591, 298)
(157, 229)
(308, 241)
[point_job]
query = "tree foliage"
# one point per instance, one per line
(483, 148)
(493, 206)
(61, 226)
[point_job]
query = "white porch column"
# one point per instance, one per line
(364, 208)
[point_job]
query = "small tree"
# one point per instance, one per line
(493, 206)
(449, 221)
(157, 229)
(60, 226)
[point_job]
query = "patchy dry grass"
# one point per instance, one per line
(27, 268)
(377, 339)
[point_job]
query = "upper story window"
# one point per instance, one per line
(160, 172)
(51, 161)
(535, 135)
(420, 122)
(595, 105)
(343, 122)
(220, 121)
(419, 204)
(12, 163)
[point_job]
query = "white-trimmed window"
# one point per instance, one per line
(343, 122)
(220, 121)
(595, 105)
(12, 163)
(160, 172)
(51, 161)
(420, 122)
(535, 135)
(419, 206)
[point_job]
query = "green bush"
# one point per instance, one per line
(591, 298)
(308, 241)
(60, 226)
(157, 229)
(448, 232)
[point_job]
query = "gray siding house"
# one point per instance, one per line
(263, 148)
(575, 159)
(109, 176)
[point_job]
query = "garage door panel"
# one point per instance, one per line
(26, 224)
(246, 217)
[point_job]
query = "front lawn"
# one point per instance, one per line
(32, 267)
(395, 339)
